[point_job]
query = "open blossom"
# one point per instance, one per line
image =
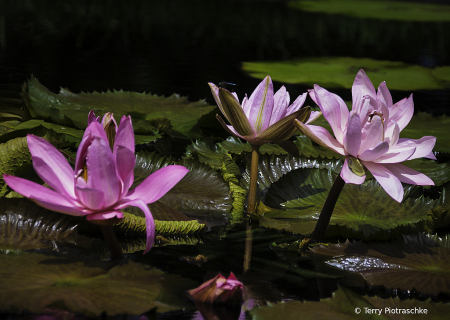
(99, 186)
(219, 290)
(265, 116)
(368, 136)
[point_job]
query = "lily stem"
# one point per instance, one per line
(327, 210)
(111, 241)
(251, 207)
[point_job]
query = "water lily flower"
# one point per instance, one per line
(219, 290)
(99, 186)
(368, 135)
(265, 116)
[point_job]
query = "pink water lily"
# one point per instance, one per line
(219, 290)
(368, 135)
(265, 116)
(99, 186)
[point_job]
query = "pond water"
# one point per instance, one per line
(58, 267)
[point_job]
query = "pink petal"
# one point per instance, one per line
(392, 133)
(352, 138)
(157, 184)
(102, 171)
(125, 134)
(105, 215)
(297, 104)
(312, 94)
(95, 129)
(51, 166)
(408, 175)
(372, 134)
(92, 117)
(280, 105)
(362, 86)
(430, 156)
(395, 155)
(321, 136)
(44, 197)
(334, 110)
(261, 105)
(125, 161)
(348, 176)
(314, 115)
(324, 138)
(148, 218)
(423, 146)
(402, 112)
(375, 153)
(90, 198)
(384, 96)
(390, 183)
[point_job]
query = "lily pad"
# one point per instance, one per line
(150, 113)
(24, 225)
(339, 72)
(420, 263)
(362, 211)
(373, 9)
(345, 304)
(37, 282)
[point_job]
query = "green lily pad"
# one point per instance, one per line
(373, 9)
(420, 262)
(339, 72)
(362, 211)
(25, 225)
(150, 113)
(202, 193)
(343, 306)
(37, 282)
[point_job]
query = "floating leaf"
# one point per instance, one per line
(416, 263)
(362, 211)
(38, 282)
(384, 10)
(25, 225)
(339, 72)
(345, 304)
(70, 109)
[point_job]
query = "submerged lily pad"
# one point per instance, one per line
(384, 10)
(173, 115)
(420, 263)
(37, 282)
(346, 304)
(362, 211)
(339, 72)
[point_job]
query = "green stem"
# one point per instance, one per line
(251, 207)
(248, 247)
(111, 241)
(327, 210)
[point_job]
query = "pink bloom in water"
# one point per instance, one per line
(99, 186)
(219, 290)
(368, 136)
(265, 116)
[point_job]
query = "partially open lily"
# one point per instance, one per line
(98, 187)
(264, 117)
(368, 136)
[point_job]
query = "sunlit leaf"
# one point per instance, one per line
(362, 211)
(376, 9)
(339, 72)
(70, 109)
